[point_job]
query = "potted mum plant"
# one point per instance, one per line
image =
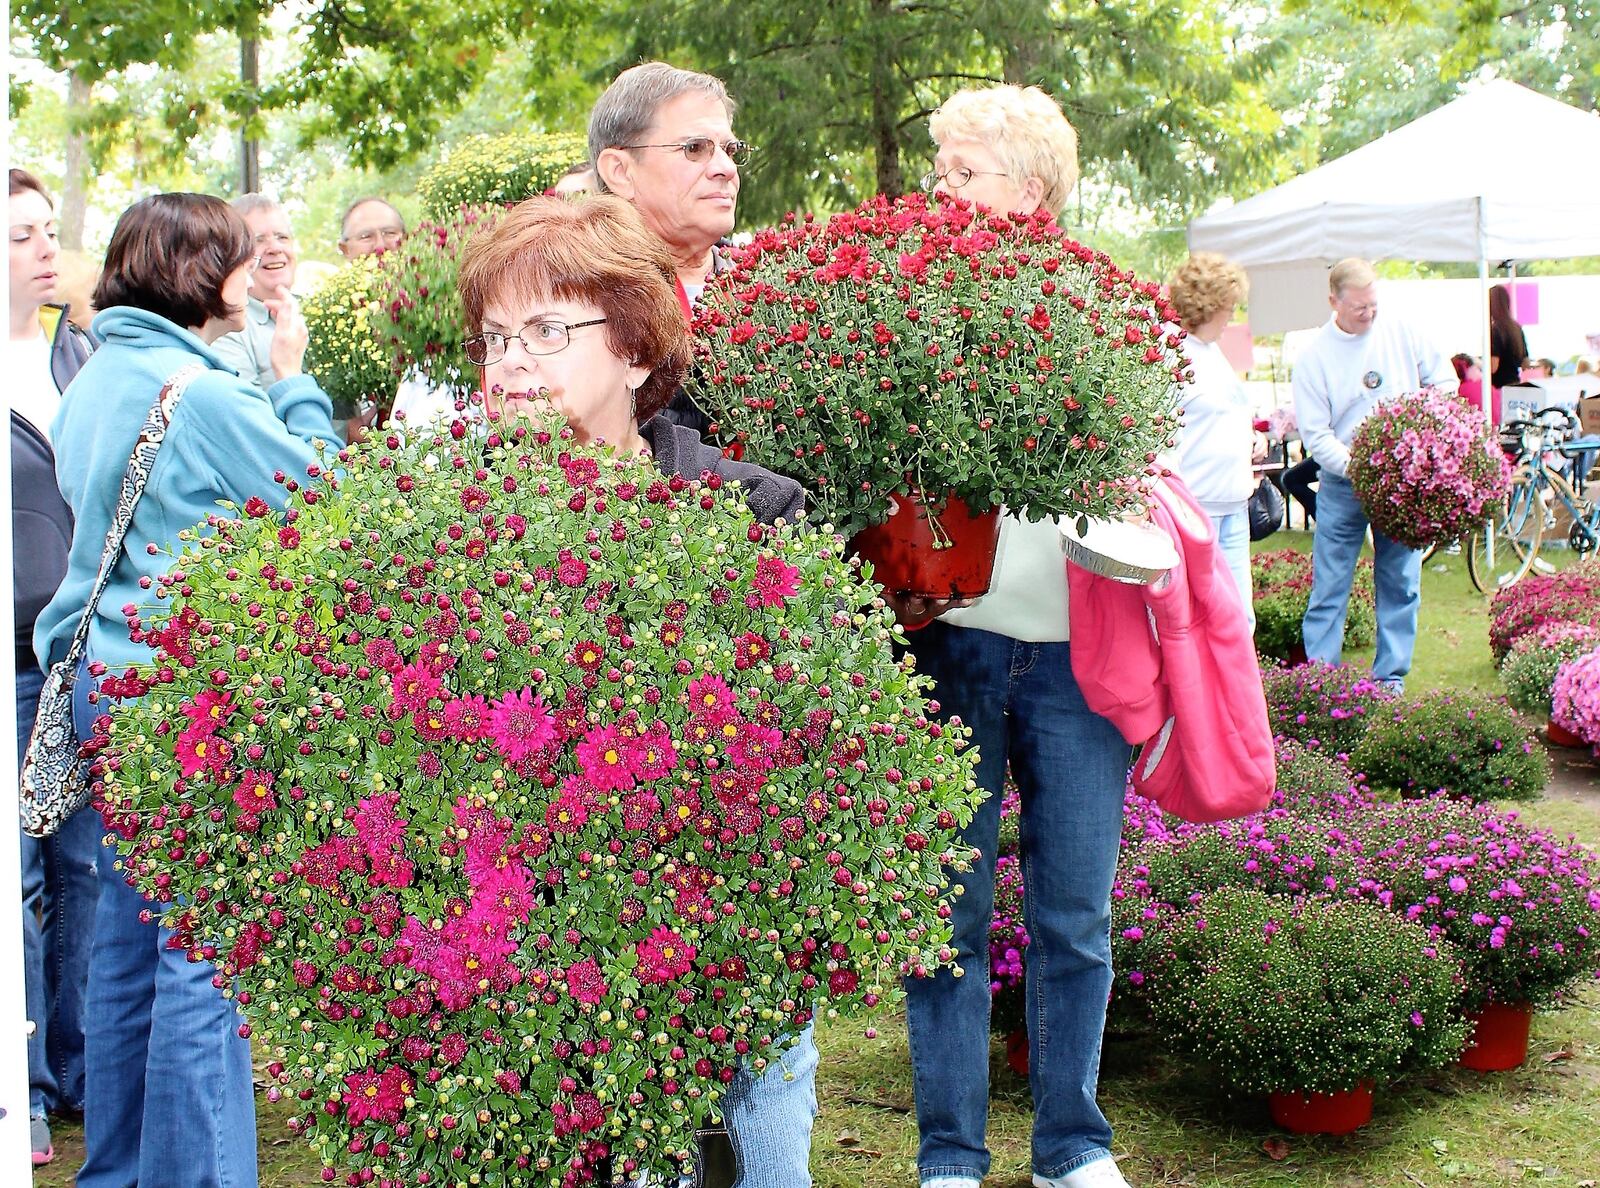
(1520, 905)
(1530, 668)
(1458, 742)
(344, 349)
(917, 363)
(1310, 1002)
(1426, 470)
(1281, 579)
(525, 794)
(1570, 595)
(486, 170)
(1575, 699)
(1326, 707)
(425, 320)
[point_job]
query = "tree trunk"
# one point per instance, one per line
(75, 175)
(249, 147)
(885, 111)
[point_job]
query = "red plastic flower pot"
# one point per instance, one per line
(1017, 1053)
(1342, 1112)
(1297, 655)
(1499, 1038)
(909, 555)
(1560, 736)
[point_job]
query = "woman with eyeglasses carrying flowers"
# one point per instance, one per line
(168, 1096)
(1002, 664)
(662, 139)
(574, 310)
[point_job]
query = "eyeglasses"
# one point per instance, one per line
(390, 235)
(699, 149)
(280, 239)
(549, 338)
(255, 262)
(955, 179)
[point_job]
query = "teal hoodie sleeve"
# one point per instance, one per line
(231, 430)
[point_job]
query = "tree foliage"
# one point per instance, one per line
(1166, 95)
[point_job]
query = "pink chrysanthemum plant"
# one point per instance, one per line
(1426, 470)
(1575, 698)
(525, 794)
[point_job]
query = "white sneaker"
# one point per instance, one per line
(950, 1182)
(1102, 1173)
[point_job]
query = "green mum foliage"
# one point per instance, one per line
(1282, 995)
(1458, 742)
(498, 169)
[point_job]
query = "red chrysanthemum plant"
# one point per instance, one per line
(922, 346)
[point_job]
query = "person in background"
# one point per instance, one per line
(1003, 665)
(168, 1097)
(1470, 377)
(1217, 439)
(662, 139)
(1356, 362)
(370, 226)
(249, 351)
(59, 887)
(579, 179)
(1538, 369)
(1508, 348)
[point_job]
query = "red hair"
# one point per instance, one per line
(596, 250)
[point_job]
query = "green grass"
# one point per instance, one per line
(1534, 1124)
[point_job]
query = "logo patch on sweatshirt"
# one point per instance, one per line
(1371, 381)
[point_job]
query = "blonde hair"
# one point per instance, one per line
(1350, 273)
(1026, 130)
(1204, 284)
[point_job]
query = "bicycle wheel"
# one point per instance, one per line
(1501, 553)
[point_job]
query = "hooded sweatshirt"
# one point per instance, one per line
(226, 441)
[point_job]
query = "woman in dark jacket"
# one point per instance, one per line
(574, 309)
(58, 882)
(1508, 349)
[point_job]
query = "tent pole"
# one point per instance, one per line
(1486, 382)
(1483, 307)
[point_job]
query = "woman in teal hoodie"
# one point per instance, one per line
(168, 1095)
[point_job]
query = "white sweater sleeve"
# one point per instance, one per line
(1313, 411)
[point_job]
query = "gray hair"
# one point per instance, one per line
(246, 203)
(344, 223)
(627, 109)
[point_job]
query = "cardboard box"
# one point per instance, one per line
(1589, 415)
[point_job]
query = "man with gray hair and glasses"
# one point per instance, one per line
(270, 310)
(662, 138)
(1357, 362)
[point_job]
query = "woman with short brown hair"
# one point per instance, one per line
(571, 307)
(168, 1096)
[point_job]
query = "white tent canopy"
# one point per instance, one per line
(1422, 192)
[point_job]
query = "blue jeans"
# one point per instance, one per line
(1070, 764)
(59, 889)
(769, 1117)
(1233, 538)
(169, 1099)
(1397, 570)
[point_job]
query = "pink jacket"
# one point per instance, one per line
(1173, 666)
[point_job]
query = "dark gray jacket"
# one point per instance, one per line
(678, 450)
(40, 519)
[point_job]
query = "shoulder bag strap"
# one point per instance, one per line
(151, 435)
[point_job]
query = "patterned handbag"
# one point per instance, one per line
(54, 782)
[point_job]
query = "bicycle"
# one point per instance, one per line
(1507, 549)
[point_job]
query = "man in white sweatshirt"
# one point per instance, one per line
(1356, 363)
